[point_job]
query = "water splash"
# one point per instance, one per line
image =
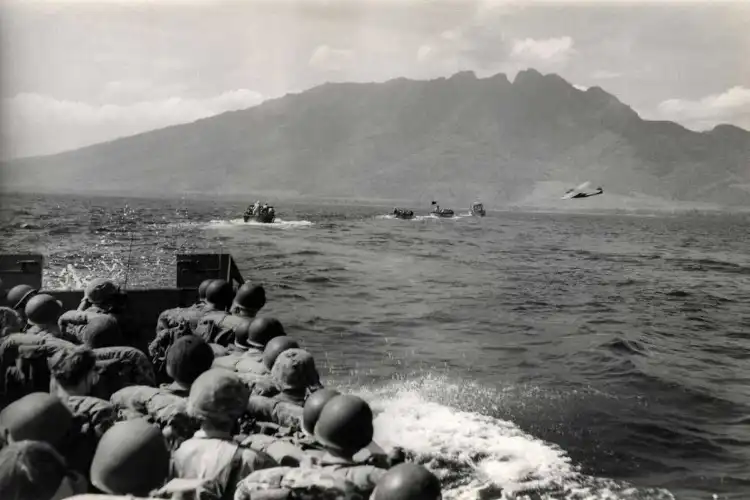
(278, 223)
(477, 456)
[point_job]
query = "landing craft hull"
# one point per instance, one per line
(444, 213)
(262, 218)
(478, 213)
(144, 304)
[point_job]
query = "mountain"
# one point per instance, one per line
(450, 139)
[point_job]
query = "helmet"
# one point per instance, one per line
(219, 293)
(251, 297)
(188, 358)
(19, 294)
(407, 482)
(102, 330)
(276, 346)
(218, 395)
(37, 417)
(101, 291)
(131, 458)
(259, 332)
(202, 288)
(32, 470)
(294, 370)
(314, 405)
(43, 309)
(345, 424)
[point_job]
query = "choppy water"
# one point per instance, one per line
(555, 356)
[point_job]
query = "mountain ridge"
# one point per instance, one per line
(449, 138)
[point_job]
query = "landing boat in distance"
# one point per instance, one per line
(260, 213)
(477, 209)
(578, 192)
(441, 212)
(402, 213)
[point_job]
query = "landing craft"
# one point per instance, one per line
(477, 208)
(260, 213)
(578, 192)
(441, 212)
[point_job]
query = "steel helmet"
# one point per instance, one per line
(38, 416)
(102, 330)
(219, 293)
(43, 309)
(294, 370)
(407, 482)
(202, 288)
(258, 332)
(252, 297)
(101, 291)
(345, 424)
(131, 458)
(218, 395)
(188, 358)
(276, 346)
(314, 405)
(19, 294)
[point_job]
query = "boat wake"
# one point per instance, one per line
(424, 217)
(478, 456)
(277, 224)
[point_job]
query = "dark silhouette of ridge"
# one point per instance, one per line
(453, 139)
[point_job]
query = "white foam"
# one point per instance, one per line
(478, 456)
(278, 223)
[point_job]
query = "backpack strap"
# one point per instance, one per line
(229, 476)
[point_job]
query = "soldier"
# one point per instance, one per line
(252, 338)
(131, 459)
(219, 326)
(33, 470)
(101, 331)
(42, 312)
(121, 367)
(170, 318)
(17, 298)
(73, 377)
(249, 300)
(408, 482)
(10, 320)
(37, 417)
(218, 399)
(274, 347)
(102, 297)
(187, 359)
(295, 376)
(343, 428)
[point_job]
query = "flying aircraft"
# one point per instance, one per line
(578, 192)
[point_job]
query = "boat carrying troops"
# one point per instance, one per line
(221, 404)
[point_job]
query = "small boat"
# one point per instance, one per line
(264, 214)
(477, 209)
(441, 212)
(402, 213)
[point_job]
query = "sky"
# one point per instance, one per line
(75, 72)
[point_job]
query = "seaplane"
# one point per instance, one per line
(579, 192)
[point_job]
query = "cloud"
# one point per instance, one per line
(331, 59)
(550, 49)
(580, 87)
(40, 124)
(732, 106)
